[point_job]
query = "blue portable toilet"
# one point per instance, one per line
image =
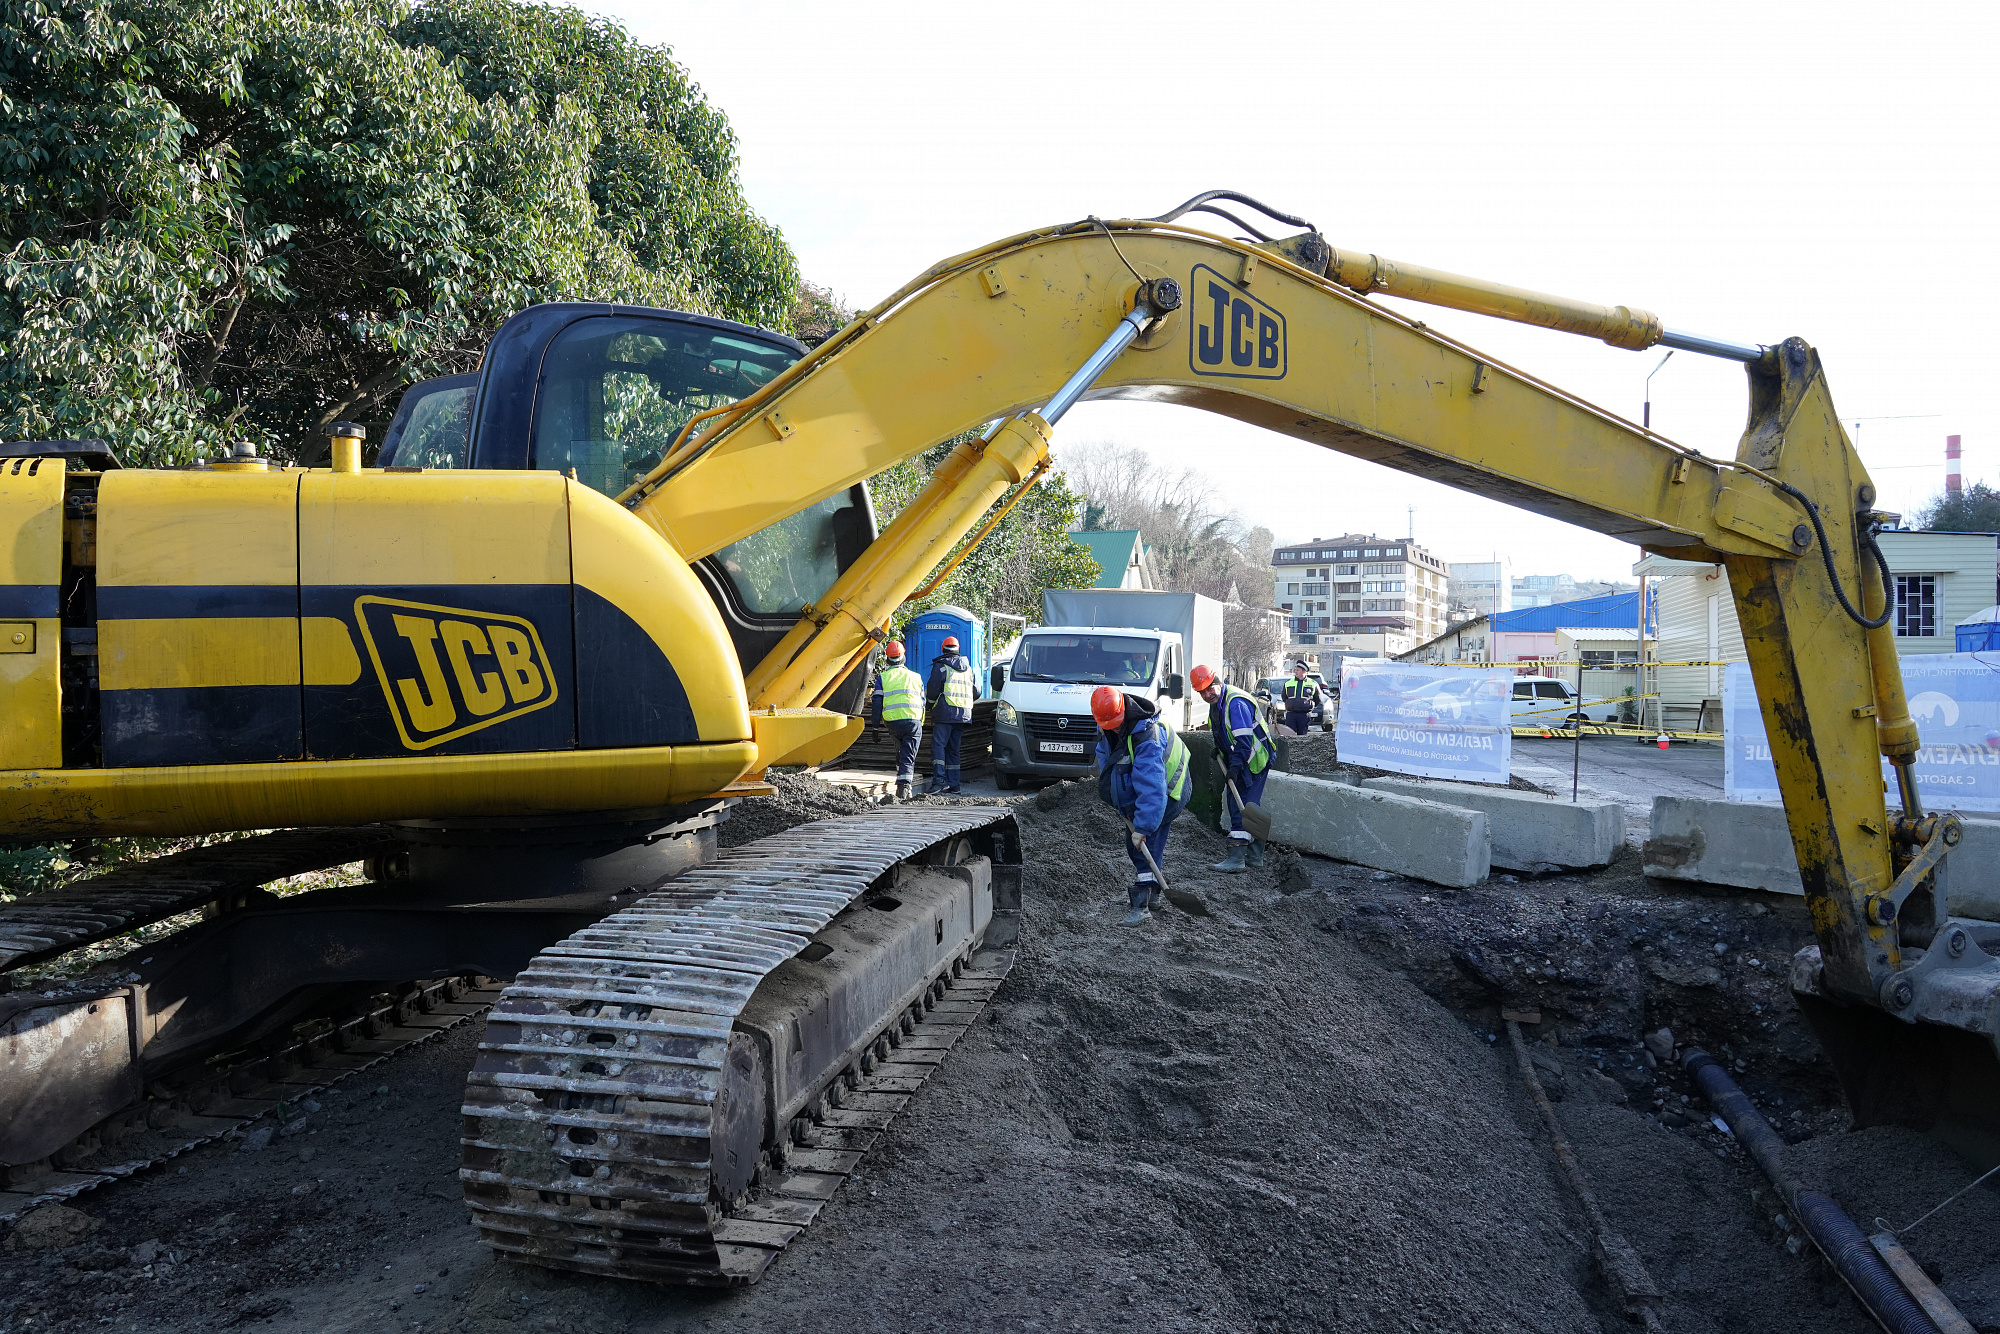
(1980, 633)
(923, 638)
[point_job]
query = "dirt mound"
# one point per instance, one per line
(800, 798)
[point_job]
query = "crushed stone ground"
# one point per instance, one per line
(1291, 1115)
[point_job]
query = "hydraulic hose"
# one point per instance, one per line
(1833, 576)
(1843, 1244)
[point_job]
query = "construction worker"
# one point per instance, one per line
(950, 691)
(1142, 772)
(1244, 748)
(899, 706)
(1301, 700)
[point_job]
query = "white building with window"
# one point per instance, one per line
(1335, 589)
(1940, 579)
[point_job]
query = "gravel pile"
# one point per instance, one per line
(800, 798)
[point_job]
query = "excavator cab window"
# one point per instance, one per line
(433, 425)
(617, 389)
(781, 568)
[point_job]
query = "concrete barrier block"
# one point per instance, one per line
(1530, 830)
(1446, 845)
(1749, 845)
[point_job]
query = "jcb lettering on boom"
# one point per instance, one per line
(447, 671)
(1232, 333)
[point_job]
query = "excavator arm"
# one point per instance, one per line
(1263, 336)
(1281, 334)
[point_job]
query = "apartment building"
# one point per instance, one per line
(1377, 586)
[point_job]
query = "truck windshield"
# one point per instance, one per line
(1118, 660)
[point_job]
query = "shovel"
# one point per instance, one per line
(1188, 903)
(1255, 822)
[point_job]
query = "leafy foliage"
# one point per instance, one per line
(1976, 509)
(231, 221)
(1194, 546)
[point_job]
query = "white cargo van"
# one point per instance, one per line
(1042, 726)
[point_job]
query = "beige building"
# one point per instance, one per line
(1359, 587)
(1940, 579)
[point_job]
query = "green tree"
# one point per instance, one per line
(1029, 551)
(236, 220)
(1976, 509)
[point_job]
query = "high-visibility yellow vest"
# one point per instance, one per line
(902, 695)
(1262, 747)
(957, 688)
(1177, 761)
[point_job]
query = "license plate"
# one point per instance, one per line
(1061, 747)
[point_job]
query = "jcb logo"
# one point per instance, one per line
(447, 671)
(1233, 333)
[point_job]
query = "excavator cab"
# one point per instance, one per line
(598, 392)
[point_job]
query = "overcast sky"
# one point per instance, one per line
(1747, 171)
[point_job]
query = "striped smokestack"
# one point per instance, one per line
(1953, 482)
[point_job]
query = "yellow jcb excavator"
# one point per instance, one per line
(584, 597)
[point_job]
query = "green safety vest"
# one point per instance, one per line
(902, 695)
(1262, 747)
(1294, 686)
(958, 688)
(1177, 761)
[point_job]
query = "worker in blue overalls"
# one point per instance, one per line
(950, 692)
(899, 706)
(1244, 747)
(1142, 772)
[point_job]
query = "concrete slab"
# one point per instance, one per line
(1748, 845)
(1530, 831)
(1426, 840)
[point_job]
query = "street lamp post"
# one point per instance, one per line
(1647, 420)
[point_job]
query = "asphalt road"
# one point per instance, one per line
(1609, 768)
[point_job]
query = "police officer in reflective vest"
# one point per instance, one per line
(1245, 748)
(1142, 772)
(899, 705)
(950, 692)
(1301, 699)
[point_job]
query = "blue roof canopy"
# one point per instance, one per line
(1619, 611)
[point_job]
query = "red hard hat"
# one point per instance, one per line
(893, 649)
(1202, 677)
(951, 643)
(1107, 706)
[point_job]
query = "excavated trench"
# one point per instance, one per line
(1291, 1115)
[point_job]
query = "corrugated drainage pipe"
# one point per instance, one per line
(1843, 1244)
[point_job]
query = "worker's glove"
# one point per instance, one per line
(1239, 776)
(1138, 836)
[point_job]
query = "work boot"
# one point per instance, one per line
(1238, 858)
(1134, 917)
(1155, 896)
(902, 790)
(1256, 857)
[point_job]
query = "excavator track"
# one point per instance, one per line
(616, 1121)
(56, 921)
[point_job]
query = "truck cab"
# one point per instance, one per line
(1042, 725)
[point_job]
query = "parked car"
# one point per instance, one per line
(1548, 701)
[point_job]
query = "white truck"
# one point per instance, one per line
(1141, 642)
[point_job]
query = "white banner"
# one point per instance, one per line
(1955, 699)
(1433, 722)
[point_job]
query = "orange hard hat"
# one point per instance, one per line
(1202, 677)
(893, 649)
(951, 643)
(1107, 706)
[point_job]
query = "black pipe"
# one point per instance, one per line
(1825, 1222)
